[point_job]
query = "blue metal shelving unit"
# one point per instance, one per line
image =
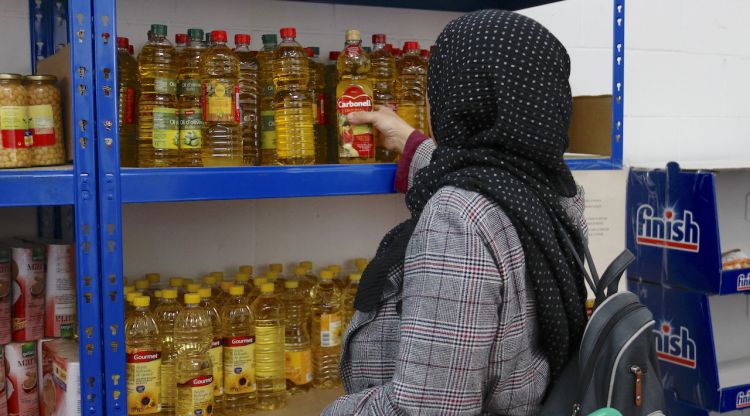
(35, 187)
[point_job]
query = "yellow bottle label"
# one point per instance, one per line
(330, 329)
(268, 338)
(239, 364)
(143, 382)
(191, 123)
(298, 365)
(221, 99)
(217, 361)
(195, 397)
(166, 128)
(267, 130)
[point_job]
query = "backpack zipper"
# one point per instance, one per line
(638, 373)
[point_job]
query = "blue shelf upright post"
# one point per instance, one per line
(618, 82)
(87, 237)
(110, 218)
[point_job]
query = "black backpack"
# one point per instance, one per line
(616, 366)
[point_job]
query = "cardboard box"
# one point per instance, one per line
(59, 66)
(590, 129)
(60, 393)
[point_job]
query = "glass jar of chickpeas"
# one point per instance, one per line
(15, 137)
(46, 124)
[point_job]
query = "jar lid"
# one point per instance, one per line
(11, 76)
(41, 78)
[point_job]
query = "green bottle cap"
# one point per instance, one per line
(367, 49)
(270, 38)
(195, 34)
(159, 30)
(316, 50)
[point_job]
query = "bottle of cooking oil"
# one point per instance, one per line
(210, 282)
(127, 94)
(224, 292)
(339, 279)
(194, 372)
(275, 278)
(238, 340)
(295, 140)
(316, 86)
(269, 349)
(127, 289)
(297, 350)
(246, 268)
(215, 352)
(143, 360)
(143, 286)
(158, 296)
(189, 99)
(178, 284)
(192, 288)
(354, 93)
(129, 300)
(158, 116)
(241, 279)
(267, 95)
(249, 100)
(383, 76)
(360, 264)
(411, 87)
(220, 73)
(219, 276)
(154, 279)
(326, 332)
(347, 299)
(165, 314)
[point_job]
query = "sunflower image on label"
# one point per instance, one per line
(298, 366)
(217, 362)
(143, 380)
(166, 128)
(221, 101)
(355, 141)
(191, 124)
(195, 397)
(330, 329)
(239, 364)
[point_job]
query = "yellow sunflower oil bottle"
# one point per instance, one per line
(246, 268)
(339, 279)
(143, 360)
(411, 87)
(297, 352)
(220, 73)
(154, 280)
(127, 94)
(326, 332)
(165, 315)
(360, 264)
(295, 140)
(267, 95)
(254, 291)
(347, 299)
(156, 299)
(274, 277)
(383, 76)
(224, 292)
(129, 300)
(210, 282)
(191, 288)
(238, 341)
(269, 349)
(249, 100)
(143, 286)
(215, 352)
(241, 279)
(189, 99)
(316, 86)
(158, 116)
(194, 372)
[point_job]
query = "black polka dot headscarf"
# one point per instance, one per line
(500, 107)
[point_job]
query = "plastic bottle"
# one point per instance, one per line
(223, 292)
(275, 278)
(165, 314)
(192, 288)
(194, 372)
(127, 94)
(129, 299)
(316, 86)
(411, 88)
(254, 291)
(241, 279)
(360, 264)
(127, 289)
(338, 278)
(354, 93)
(158, 296)
(326, 332)
(215, 352)
(210, 282)
(246, 268)
(347, 299)
(220, 73)
(180, 41)
(143, 286)
(383, 76)
(178, 284)
(238, 340)
(143, 360)
(295, 140)
(154, 280)
(297, 351)
(267, 94)
(219, 276)
(189, 99)
(331, 82)
(158, 116)
(269, 349)
(249, 100)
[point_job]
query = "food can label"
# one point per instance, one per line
(14, 127)
(195, 397)
(143, 374)
(130, 105)
(239, 364)
(166, 128)
(268, 130)
(165, 85)
(330, 329)
(298, 366)
(270, 340)
(216, 354)
(355, 141)
(221, 101)
(191, 124)
(42, 125)
(190, 87)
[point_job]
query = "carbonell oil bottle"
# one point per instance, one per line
(354, 93)
(143, 360)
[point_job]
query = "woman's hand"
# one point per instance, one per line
(394, 131)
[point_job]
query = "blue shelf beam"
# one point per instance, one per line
(444, 5)
(33, 187)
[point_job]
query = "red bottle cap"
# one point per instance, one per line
(424, 53)
(218, 36)
(122, 42)
(181, 38)
(389, 47)
(288, 32)
(396, 52)
(310, 53)
(242, 38)
(378, 38)
(333, 55)
(411, 46)
(131, 50)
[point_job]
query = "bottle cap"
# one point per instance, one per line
(218, 275)
(291, 284)
(218, 36)
(389, 47)
(128, 289)
(367, 49)
(122, 42)
(307, 264)
(424, 53)
(411, 46)
(176, 281)
(158, 294)
(142, 284)
(316, 50)
(157, 29)
(288, 32)
(169, 293)
(204, 292)
(269, 38)
(258, 281)
(141, 301)
(153, 278)
(396, 52)
(209, 280)
(195, 34)
(241, 39)
(360, 264)
(131, 49)
(378, 38)
(326, 275)
(335, 268)
(272, 276)
(241, 278)
(192, 299)
(193, 287)
(181, 38)
(353, 34)
(300, 271)
(309, 52)
(276, 267)
(131, 296)
(355, 277)
(225, 286)
(267, 288)
(333, 55)
(246, 268)
(237, 290)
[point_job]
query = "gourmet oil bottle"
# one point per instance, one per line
(267, 95)
(220, 73)
(347, 299)
(297, 351)
(127, 94)
(238, 340)
(316, 86)
(411, 88)
(189, 99)
(354, 93)
(269, 349)
(383, 77)
(215, 352)
(295, 140)
(165, 315)
(249, 100)
(143, 360)
(192, 338)
(158, 116)
(326, 332)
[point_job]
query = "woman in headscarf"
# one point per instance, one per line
(475, 304)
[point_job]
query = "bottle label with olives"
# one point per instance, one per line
(165, 85)
(221, 101)
(14, 127)
(42, 125)
(268, 130)
(191, 123)
(166, 128)
(239, 364)
(190, 87)
(143, 382)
